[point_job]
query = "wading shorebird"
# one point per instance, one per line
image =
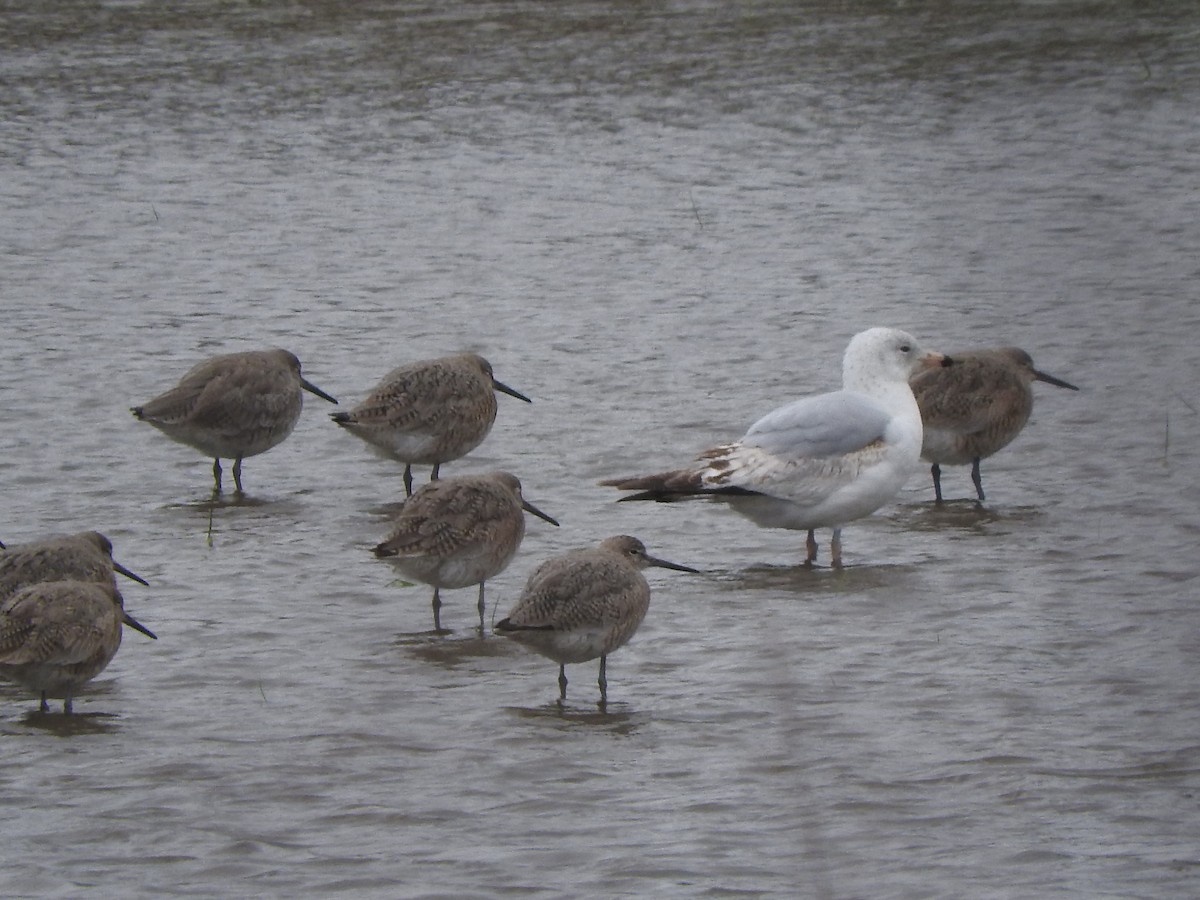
(459, 531)
(820, 461)
(976, 408)
(55, 636)
(86, 556)
(233, 406)
(429, 412)
(584, 604)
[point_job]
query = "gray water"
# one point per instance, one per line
(659, 221)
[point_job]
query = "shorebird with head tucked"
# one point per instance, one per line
(976, 408)
(233, 406)
(821, 461)
(429, 412)
(585, 604)
(459, 531)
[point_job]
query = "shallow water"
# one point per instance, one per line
(658, 222)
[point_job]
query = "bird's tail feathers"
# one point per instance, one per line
(667, 487)
(507, 625)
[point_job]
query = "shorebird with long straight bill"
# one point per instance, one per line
(585, 604)
(86, 556)
(61, 614)
(55, 636)
(976, 408)
(233, 406)
(429, 412)
(460, 531)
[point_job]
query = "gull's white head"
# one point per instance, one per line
(884, 355)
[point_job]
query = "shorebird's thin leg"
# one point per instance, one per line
(437, 611)
(216, 476)
(237, 474)
(835, 548)
(978, 479)
(810, 545)
(562, 683)
(603, 681)
(67, 710)
(936, 471)
(45, 707)
(407, 480)
(437, 467)
(481, 608)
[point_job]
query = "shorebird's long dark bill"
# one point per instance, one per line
(133, 576)
(1050, 379)
(313, 389)
(505, 389)
(663, 564)
(529, 507)
(138, 626)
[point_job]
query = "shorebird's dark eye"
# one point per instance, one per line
(904, 348)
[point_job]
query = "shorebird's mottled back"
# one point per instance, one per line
(57, 635)
(85, 556)
(429, 412)
(456, 532)
(584, 604)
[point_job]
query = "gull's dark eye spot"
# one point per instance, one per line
(904, 348)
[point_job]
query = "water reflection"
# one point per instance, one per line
(818, 581)
(616, 718)
(450, 651)
(965, 515)
(58, 724)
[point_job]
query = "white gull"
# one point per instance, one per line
(821, 461)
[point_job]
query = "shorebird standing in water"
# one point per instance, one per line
(429, 412)
(584, 604)
(976, 408)
(459, 531)
(61, 614)
(233, 406)
(55, 636)
(821, 461)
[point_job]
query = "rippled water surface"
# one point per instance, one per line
(659, 221)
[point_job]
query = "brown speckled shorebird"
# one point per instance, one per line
(86, 556)
(460, 531)
(233, 406)
(429, 412)
(975, 408)
(57, 635)
(584, 604)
